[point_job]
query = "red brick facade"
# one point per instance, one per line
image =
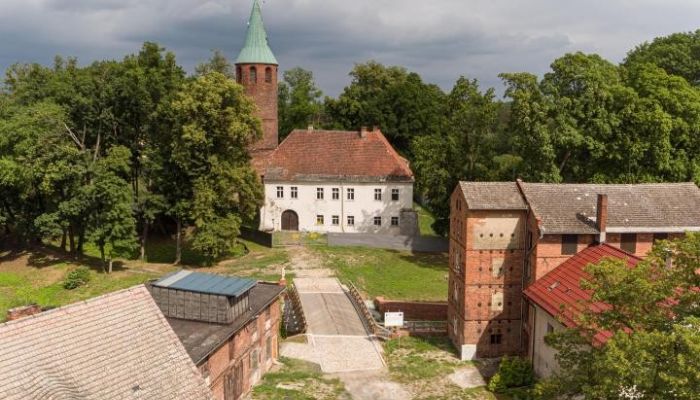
(260, 83)
(241, 361)
(414, 310)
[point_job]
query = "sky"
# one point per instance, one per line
(439, 39)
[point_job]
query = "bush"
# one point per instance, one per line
(513, 372)
(76, 278)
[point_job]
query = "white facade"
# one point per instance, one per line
(543, 356)
(344, 207)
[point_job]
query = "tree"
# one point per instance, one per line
(217, 63)
(205, 175)
(652, 317)
(298, 101)
(678, 54)
(397, 101)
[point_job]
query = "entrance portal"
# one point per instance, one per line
(290, 221)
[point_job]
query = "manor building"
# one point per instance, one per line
(321, 180)
(505, 236)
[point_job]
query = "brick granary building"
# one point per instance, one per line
(321, 180)
(504, 236)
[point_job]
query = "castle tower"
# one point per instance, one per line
(256, 70)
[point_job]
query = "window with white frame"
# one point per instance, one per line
(335, 220)
(280, 192)
(378, 221)
(394, 221)
(351, 220)
(319, 193)
(351, 194)
(394, 194)
(294, 192)
(335, 193)
(319, 220)
(378, 194)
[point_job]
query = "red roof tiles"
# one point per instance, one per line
(559, 292)
(312, 155)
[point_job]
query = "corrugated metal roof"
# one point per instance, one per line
(206, 283)
(256, 49)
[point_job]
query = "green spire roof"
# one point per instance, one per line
(256, 49)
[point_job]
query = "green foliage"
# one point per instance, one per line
(655, 326)
(76, 278)
(513, 372)
(298, 101)
(217, 63)
(678, 54)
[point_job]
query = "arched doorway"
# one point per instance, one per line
(290, 221)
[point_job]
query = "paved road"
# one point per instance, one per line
(337, 339)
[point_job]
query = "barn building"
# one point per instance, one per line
(229, 326)
(320, 180)
(505, 236)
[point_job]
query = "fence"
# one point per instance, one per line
(426, 244)
(294, 318)
(369, 321)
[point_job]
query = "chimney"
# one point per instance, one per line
(601, 218)
(363, 131)
(24, 311)
(310, 128)
(375, 129)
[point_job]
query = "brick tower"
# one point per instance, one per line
(256, 70)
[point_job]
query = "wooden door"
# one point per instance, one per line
(290, 221)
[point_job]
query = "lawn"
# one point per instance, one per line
(393, 274)
(425, 221)
(299, 380)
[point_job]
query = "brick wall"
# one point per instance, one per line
(238, 353)
(414, 310)
(264, 95)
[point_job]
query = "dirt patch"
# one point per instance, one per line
(373, 385)
(305, 263)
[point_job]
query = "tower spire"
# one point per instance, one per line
(256, 50)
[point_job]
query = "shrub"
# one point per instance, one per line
(513, 372)
(76, 278)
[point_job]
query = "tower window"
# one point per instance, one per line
(253, 75)
(239, 75)
(268, 74)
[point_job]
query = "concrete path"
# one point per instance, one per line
(337, 339)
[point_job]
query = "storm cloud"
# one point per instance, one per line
(440, 39)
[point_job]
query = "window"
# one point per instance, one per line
(394, 194)
(239, 75)
(378, 221)
(253, 75)
(351, 194)
(628, 242)
(335, 220)
(378, 194)
(394, 221)
(351, 220)
(496, 338)
(335, 193)
(254, 359)
(569, 244)
(268, 348)
(319, 220)
(268, 74)
(550, 328)
(280, 192)
(294, 192)
(660, 236)
(319, 193)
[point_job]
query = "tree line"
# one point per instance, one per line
(98, 153)
(586, 120)
(101, 153)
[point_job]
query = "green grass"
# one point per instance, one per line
(393, 274)
(298, 380)
(425, 221)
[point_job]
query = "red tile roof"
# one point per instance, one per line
(312, 155)
(559, 292)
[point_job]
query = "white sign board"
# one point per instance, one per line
(393, 319)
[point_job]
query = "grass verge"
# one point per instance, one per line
(299, 380)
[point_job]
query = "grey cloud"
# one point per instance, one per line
(441, 40)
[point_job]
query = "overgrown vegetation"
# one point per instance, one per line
(513, 372)
(76, 278)
(300, 380)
